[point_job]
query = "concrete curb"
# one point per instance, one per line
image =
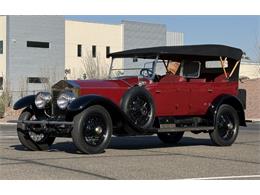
(7, 124)
(253, 120)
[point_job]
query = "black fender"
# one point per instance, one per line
(24, 102)
(117, 115)
(230, 100)
(86, 101)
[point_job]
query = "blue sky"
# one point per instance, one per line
(238, 31)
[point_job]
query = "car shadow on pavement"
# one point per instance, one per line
(150, 142)
(127, 143)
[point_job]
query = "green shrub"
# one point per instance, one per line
(5, 100)
(2, 107)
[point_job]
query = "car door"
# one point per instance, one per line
(200, 96)
(170, 95)
(200, 90)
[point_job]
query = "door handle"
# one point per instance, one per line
(157, 91)
(210, 90)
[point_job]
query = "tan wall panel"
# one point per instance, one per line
(88, 34)
(249, 70)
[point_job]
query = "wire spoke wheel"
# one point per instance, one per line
(139, 110)
(226, 126)
(95, 129)
(35, 136)
(29, 137)
(137, 103)
(92, 130)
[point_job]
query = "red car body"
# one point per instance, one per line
(172, 96)
(196, 98)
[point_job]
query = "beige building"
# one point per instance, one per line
(86, 42)
(249, 69)
(89, 43)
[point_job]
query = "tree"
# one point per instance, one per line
(244, 56)
(93, 68)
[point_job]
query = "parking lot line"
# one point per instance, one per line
(225, 177)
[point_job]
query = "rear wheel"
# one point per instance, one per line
(92, 130)
(32, 140)
(226, 126)
(170, 138)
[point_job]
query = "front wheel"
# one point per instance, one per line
(92, 130)
(226, 126)
(32, 140)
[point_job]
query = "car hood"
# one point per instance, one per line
(121, 82)
(124, 82)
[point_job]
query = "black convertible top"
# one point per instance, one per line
(206, 52)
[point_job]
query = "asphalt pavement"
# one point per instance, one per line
(142, 157)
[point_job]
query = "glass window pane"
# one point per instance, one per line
(38, 44)
(1, 47)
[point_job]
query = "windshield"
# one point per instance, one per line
(132, 67)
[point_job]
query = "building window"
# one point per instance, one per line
(79, 49)
(38, 44)
(94, 52)
(1, 83)
(37, 80)
(1, 47)
(107, 51)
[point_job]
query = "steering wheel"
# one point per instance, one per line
(146, 72)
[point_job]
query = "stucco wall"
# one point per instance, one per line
(251, 71)
(88, 34)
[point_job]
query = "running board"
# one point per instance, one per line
(181, 129)
(43, 122)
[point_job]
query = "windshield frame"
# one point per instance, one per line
(154, 63)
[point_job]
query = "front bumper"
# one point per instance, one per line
(51, 127)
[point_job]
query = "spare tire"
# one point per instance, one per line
(138, 105)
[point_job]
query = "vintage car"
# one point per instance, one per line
(158, 90)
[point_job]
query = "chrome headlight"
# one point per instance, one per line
(65, 99)
(42, 99)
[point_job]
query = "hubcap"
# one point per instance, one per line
(226, 125)
(95, 129)
(98, 130)
(36, 137)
